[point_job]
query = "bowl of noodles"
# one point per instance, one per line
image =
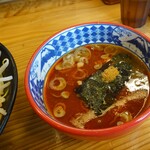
(91, 81)
(8, 85)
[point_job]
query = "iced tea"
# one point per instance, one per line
(134, 12)
(110, 2)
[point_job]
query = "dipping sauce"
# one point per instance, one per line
(97, 86)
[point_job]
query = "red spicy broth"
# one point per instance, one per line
(69, 72)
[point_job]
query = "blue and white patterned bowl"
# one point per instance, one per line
(68, 39)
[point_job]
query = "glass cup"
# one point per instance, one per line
(134, 12)
(110, 2)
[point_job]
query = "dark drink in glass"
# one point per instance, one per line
(110, 2)
(134, 12)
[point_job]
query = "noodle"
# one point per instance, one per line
(4, 84)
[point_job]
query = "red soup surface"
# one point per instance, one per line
(97, 86)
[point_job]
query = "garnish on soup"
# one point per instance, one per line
(97, 86)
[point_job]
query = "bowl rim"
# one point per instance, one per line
(15, 88)
(72, 130)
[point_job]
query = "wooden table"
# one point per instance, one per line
(24, 25)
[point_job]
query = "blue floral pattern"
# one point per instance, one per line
(74, 37)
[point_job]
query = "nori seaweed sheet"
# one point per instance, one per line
(99, 95)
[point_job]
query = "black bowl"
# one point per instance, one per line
(12, 91)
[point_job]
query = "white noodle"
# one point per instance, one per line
(4, 65)
(3, 85)
(3, 111)
(2, 79)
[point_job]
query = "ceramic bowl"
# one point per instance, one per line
(64, 41)
(11, 70)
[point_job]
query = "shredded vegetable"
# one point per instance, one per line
(4, 83)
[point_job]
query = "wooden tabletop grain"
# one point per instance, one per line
(24, 25)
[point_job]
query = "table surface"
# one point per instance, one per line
(24, 25)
